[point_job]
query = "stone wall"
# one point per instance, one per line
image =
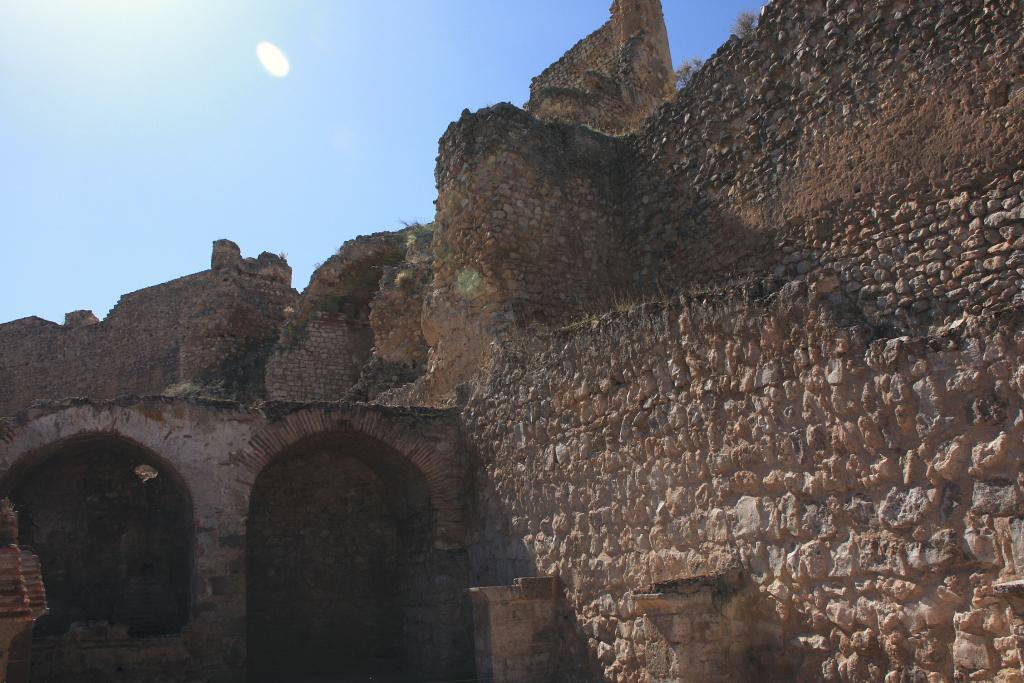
(396, 312)
(102, 526)
(319, 361)
(210, 331)
(328, 337)
(866, 488)
(872, 142)
(598, 52)
(832, 126)
(526, 215)
(516, 631)
(915, 264)
(906, 263)
(612, 79)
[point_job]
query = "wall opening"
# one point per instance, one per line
(343, 581)
(115, 547)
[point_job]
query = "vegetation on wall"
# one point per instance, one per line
(687, 70)
(744, 24)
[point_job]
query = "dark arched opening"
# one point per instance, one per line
(112, 526)
(343, 581)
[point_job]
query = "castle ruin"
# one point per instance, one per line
(716, 384)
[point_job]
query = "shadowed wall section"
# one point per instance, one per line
(334, 545)
(112, 526)
(356, 560)
(113, 533)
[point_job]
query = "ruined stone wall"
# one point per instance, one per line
(321, 360)
(328, 338)
(581, 86)
(612, 79)
(836, 130)
(863, 482)
(869, 141)
(210, 329)
(400, 349)
(867, 489)
(597, 52)
(526, 215)
(396, 312)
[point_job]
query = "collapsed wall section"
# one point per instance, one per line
(396, 309)
(868, 490)
(356, 328)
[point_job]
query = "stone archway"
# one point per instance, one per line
(332, 547)
(352, 573)
(111, 522)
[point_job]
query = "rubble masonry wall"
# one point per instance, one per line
(868, 489)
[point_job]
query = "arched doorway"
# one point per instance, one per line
(112, 526)
(342, 577)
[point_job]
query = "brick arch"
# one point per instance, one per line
(23, 462)
(28, 442)
(40, 461)
(439, 466)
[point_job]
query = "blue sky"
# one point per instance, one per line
(133, 133)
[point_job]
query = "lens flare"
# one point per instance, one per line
(273, 59)
(469, 282)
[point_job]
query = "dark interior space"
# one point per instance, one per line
(337, 529)
(113, 529)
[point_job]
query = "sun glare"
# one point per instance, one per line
(273, 59)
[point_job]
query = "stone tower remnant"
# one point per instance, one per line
(613, 79)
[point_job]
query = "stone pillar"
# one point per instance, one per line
(651, 76)
(22, 600)
(516, 631)
(226, 255)
(703, 628)
(631, 18)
